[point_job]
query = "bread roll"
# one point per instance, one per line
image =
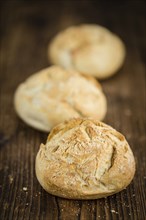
(54, 95)
(88, 48)
(84, 159)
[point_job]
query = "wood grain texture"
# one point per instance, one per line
(26, 29)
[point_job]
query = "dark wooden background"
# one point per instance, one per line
(26, 29)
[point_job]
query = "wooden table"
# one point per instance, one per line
(26, 29)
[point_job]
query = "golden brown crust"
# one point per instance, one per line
(88, 48)
(54, 95)
(84, 159)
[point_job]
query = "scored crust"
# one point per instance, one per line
(91, 49)
(84, 159)
(54, 95)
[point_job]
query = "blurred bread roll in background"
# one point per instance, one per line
(88, 48)
(54, 94)
(84, 159)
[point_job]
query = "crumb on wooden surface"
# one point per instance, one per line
(24, 188)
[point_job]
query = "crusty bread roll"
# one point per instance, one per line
(89, 49)
(84, 159)
(54, 95)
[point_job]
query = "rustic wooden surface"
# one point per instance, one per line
(26, 29)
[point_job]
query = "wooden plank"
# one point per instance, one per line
(26, 31)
